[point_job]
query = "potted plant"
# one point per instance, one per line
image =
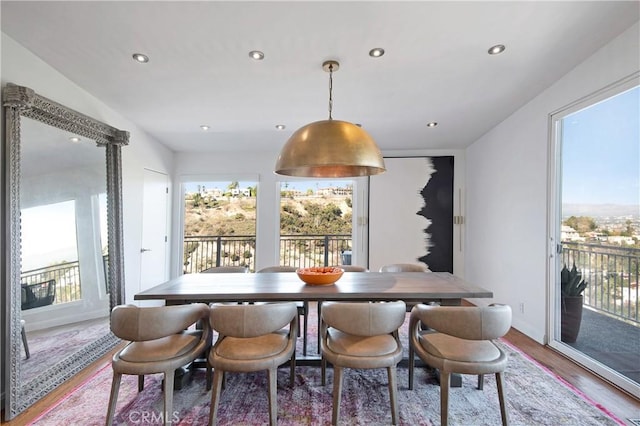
(572, 285)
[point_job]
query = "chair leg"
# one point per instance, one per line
(208, 376)
(393, 397)
(411, 366)
(337, 393)
(292, 370)
(480, 381)
(24, 342)
(444, 397)
(304, 335)
(113, 398)
(272, 374)
(502, 398)
(319, 322)
(168, 397)
(218, 375)
(323, 374)
(140, 382)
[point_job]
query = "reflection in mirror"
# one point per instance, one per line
(64, 302)
(64, 268)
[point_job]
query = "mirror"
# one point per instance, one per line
(64, 268)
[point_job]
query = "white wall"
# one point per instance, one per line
(21, 67)
(507, 188)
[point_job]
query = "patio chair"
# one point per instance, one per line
(38, 295)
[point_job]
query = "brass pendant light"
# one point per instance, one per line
(330, 148)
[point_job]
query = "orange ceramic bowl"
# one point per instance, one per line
(320, 275)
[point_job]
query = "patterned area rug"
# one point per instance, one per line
(534, 397)
(48, 347)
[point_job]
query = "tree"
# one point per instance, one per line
(581, 224)
(629, 231)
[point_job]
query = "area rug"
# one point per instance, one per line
(49, 347)
(534, 397)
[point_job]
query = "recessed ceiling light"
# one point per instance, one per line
(257, 55)
(376, 52)
(204, 127)
(74, 139)
(498, 48)
(280, 126)
(432, 124)
(140, 57)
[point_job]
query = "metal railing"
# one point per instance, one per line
(612, 275)
(66, 276)
(203, 252)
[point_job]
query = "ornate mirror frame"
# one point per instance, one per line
(20, 101)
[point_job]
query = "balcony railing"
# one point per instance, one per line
(612, 275)
(301, 251)
(66, 276)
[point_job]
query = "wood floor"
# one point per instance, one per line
(621, 404)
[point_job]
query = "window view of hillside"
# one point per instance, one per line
(315, 223)
(220, 224)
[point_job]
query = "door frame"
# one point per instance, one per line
(554, 224)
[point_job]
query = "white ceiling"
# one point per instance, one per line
(436, 66)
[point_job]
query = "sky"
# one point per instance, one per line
(601, 152)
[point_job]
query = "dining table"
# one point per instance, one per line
(442, 288)
(411, 287)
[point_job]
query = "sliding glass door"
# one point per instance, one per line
(595, 228)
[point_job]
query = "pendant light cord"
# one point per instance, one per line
(330, 91)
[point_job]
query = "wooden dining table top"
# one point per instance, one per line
(411, 287)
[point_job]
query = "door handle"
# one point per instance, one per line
(142, 250)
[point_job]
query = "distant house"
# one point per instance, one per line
(617, 239)
(334, 190)
(246, 192)
(567, 233)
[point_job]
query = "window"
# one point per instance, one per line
(316, 223)
(219, 225)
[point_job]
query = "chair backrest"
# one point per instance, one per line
(227, 269)
(364, 318)
(404, 267)
(39, 294)
(251, 320)
(351, 268)
(278, 269)
(466, 322)
(137, 324)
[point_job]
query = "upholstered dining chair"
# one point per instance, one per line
(352, 268)
(227, 269)
(303, 307)
(252, 338)
(346, 268)
(361, 335)
(404, 267)
(160, 342)
(459, 340)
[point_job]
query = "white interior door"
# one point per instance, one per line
(153, 253)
